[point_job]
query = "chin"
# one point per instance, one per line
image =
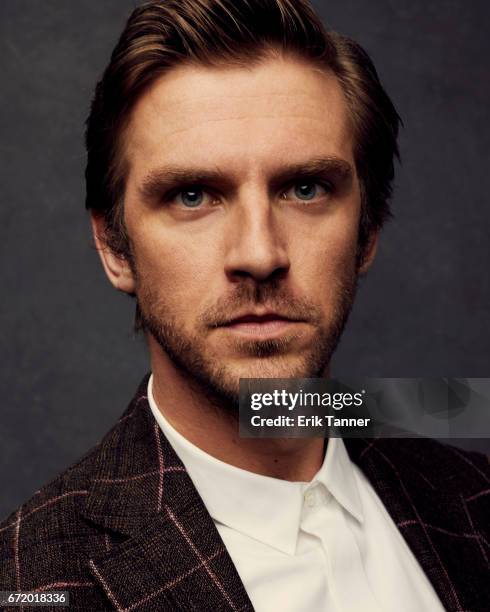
(279, 367)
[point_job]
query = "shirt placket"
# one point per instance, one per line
(347, 583)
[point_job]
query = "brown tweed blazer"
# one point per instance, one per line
(125, 529)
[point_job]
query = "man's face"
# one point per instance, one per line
(242, 206)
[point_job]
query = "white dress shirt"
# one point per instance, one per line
(327, 545)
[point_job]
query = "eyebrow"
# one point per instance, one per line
(165, 178)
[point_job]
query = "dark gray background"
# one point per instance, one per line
(70, 362)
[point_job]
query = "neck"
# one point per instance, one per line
(215, 429)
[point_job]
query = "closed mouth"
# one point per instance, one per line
(258, 319)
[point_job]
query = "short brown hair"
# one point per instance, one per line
(162, 34)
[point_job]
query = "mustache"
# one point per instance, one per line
(247, 296)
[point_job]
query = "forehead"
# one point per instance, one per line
(244, 119)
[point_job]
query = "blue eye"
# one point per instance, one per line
(192, 198)
(306, 191)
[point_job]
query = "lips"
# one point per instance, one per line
(263, 326)
(258, 319)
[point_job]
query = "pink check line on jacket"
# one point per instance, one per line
(481, 538)
(161, 466)
(16, 548)
(61, 585)
(424, 529)
(47, 503)
(470, 536)
(17, 523)
(133, 411)
(176, 468)
(477, 495)
(463, 458)
(203, 561)
(166, 587)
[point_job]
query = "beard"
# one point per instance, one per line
(209, 374)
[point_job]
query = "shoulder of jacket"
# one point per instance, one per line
(447, 464)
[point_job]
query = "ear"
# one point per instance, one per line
(116, 267)
(369, 252)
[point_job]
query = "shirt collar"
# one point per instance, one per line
(264, 508)
(337, 475)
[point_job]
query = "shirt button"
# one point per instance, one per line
(310, 498)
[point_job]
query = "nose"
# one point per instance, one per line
(256, 246)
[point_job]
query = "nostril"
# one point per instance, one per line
(259, 274)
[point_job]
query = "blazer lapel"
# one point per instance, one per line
(170, 555)
(413, 479)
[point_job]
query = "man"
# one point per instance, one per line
(239, 168)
